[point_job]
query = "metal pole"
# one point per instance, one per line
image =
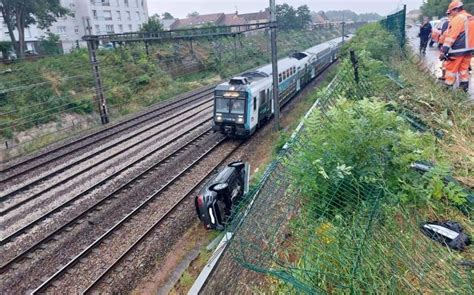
(343, 31)
(92, 45)
(276, 96)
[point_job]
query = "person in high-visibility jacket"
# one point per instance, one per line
(458, 45)
(442, 36)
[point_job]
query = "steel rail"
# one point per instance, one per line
(191, 95)
(90, 209)
(137, 209)
(78, 161)
(86, 169)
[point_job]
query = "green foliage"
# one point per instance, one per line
(349, 15)
(167, 15)
(290, 18)
(153, 25)
(378, 42)
(49, 45)
(5, 47)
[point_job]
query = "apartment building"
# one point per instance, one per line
(90, 17)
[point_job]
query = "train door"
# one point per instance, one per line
(264, 105)
(254, 118)
(298, 81)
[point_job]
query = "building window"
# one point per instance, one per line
(118, 3)
(97, 29)
(130, 28)
(143, 4)
(125, 2)
(94, 14)
(105, 3)
(120, 28)
(107, 15)
(109, 29)
(129, 17)
(138, 16)
(61, 30)
(76, 29)
(119, 15)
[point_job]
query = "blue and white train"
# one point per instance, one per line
(242, 104)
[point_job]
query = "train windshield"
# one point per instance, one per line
(237, 106)
(222, 105)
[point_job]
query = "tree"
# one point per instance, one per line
(193, 14)
(304, 16)
(4, 48)
(49, 45)
(21, 14)
(286, 17)
(153, 25)
(437, 8)
(167, 15)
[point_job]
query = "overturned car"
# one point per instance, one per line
(216, 199)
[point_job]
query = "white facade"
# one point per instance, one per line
(90, 17)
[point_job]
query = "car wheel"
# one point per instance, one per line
(219, 187)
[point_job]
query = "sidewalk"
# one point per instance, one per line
(432, 57)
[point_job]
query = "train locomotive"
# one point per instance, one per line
(244, 103)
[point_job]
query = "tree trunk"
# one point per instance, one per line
(20, 25)
(10, 26)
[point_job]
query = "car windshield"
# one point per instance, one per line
(238, 106)
(222, 105)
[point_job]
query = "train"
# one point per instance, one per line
(244, 103)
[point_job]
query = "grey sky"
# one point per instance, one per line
(180, 8)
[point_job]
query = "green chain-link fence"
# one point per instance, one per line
(395, 23)
(348, 236)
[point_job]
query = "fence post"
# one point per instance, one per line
(355, 65)
(92, 44)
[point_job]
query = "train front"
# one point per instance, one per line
(230, 109)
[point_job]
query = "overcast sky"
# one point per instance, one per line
(180, 8)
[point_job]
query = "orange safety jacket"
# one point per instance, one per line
(459, 39)
(444, 30)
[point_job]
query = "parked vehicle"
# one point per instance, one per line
(11, 55)
(31, 52)
(221, 193)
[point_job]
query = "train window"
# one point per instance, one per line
(280, 78)
(255, 103)
(294, 70)
(288, 73)
(263, 98)
(284, 76)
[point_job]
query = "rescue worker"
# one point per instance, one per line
(442, 36)
(458, 46)
(425, 34)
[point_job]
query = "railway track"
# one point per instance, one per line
(51, 174)
(66, 227)
(49, 156)
(102, 240)
(101, 182)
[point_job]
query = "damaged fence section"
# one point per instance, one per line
(326, 217)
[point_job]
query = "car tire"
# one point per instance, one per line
(219, 187)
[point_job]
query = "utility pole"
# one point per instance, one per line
(276, 95)
(92, 45)
(343, 31)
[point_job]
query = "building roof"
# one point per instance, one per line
(233, 19)
(256, 16)
(167, 23)
(319, 18)
(200, 20)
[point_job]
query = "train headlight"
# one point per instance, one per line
(240, 120)
(219, 118)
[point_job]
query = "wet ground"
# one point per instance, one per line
(432, 56)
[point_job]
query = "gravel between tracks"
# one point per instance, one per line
(28, 274)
